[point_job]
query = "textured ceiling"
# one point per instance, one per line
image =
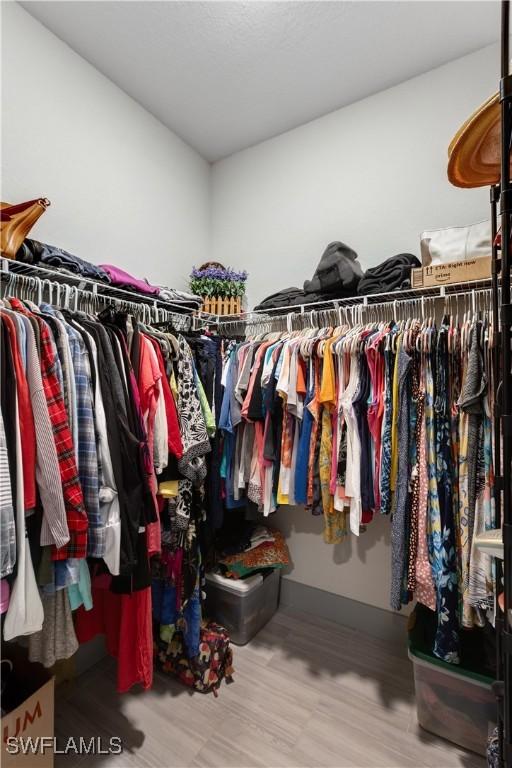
(227, 75)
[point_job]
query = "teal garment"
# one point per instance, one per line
(80, 594)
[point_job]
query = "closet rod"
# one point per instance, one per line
(9, 266)
(424, 307)
(438, 291)
(69, 296)
(472, 290)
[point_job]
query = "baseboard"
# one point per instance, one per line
(389, 626)
(386, 625)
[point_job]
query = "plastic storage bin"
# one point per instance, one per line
(243, 613)
(457, 705)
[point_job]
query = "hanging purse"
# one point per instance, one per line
(442, 246)
(16, 221)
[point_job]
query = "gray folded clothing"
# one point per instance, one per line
(179, 297)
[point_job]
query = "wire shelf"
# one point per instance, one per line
(453, 289)
(82, 283)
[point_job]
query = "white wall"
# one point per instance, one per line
(124, 189)
(374, 176)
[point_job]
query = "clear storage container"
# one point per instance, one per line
(243, 614)
(453, 703)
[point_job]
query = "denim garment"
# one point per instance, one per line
(166, 613)
(301, 472)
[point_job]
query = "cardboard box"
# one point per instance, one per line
(453, 272)
(34, 716)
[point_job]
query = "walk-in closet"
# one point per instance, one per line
(256, 384)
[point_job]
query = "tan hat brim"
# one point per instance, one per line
(475, 151)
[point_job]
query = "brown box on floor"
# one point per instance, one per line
(452, 272)
(33, 717)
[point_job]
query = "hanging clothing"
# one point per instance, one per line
(105, 406)
(361, 420)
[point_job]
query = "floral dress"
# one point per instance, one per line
(334, 522)
(446, 645)
(423, 581)
(463, 544)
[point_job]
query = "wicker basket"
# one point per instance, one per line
(216, 305)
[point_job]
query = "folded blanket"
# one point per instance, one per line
(123, 279)
(394, 274)
(272, 554)
(179, 297)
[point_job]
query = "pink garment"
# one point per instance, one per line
(173, 562)
(124, 280)
(5, 594)
(376, 411)
(334, 454)
(259, 431)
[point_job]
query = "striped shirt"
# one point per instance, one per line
(72, 491)
(87, 448)
(54, 528)
(7, 526)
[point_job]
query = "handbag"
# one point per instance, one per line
(203, 672)
(16, 221)
(441, 246)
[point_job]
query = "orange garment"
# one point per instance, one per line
(328, 385)
(301, 377)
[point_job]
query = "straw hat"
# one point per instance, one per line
(474, 154)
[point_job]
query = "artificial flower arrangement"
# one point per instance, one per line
(212, 279)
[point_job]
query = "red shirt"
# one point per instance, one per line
(26, 419)
(71, 488)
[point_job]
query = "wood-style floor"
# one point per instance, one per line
(307, 692)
